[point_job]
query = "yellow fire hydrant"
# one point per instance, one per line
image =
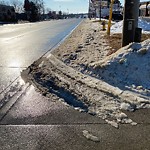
(104, 25)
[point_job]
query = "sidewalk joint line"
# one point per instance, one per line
(13, 67)
(68, 124)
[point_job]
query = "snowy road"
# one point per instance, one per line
(22, 44)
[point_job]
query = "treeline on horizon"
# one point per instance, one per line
(33, 10)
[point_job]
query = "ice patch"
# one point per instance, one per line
(89, 136)
(112, 123)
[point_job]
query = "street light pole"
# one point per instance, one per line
(130, 22)
(100, 9)
(89, 11)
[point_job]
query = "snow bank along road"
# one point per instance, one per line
(22, 44)
(113, 88)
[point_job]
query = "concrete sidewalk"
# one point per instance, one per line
(38, 123)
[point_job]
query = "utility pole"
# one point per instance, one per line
(130, 22)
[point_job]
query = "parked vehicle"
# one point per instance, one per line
(115, 17)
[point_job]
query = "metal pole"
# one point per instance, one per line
(130, 22)
(110, 17)
(100, 9)
(89, 12)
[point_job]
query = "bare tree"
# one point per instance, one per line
(18, 5)
(40, 6)
(4, 2)
(47, 10)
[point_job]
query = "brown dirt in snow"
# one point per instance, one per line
(116, 39)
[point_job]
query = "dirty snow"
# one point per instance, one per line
(117, 27)
(89, 136)
(125, 73)
(128, 68)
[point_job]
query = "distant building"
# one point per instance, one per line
(101, 7)
(145, 8)
(7, 13)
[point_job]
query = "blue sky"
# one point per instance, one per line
(71, 6)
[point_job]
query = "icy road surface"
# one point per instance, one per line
(22, 44)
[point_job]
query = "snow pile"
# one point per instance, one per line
(82, 92)
(128, 68)
(144, 25)
(123, 74)
(117, 27)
